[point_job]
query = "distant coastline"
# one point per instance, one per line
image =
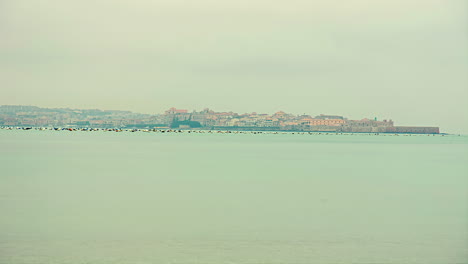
(209, 131)
(207, 119)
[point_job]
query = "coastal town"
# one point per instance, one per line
(207, 119)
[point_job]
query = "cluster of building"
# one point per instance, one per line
(205, 119)
(17, 115)
(284, 121)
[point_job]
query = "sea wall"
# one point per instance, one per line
(411, 129)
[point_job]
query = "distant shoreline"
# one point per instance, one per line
(207, 119)
(217, 131)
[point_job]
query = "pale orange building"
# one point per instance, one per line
(322, 122)
(174, 110)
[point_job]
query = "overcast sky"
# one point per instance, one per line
(405, 60)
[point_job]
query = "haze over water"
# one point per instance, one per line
(106, 197)
(392, 59)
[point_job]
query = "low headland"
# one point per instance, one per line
(181, 120)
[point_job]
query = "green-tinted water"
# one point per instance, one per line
(106, 197)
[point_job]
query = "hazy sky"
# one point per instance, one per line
(401, 59)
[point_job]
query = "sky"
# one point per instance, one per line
(405, 60)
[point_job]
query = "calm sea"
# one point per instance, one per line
(107, 197)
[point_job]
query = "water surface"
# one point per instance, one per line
(106, 197)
